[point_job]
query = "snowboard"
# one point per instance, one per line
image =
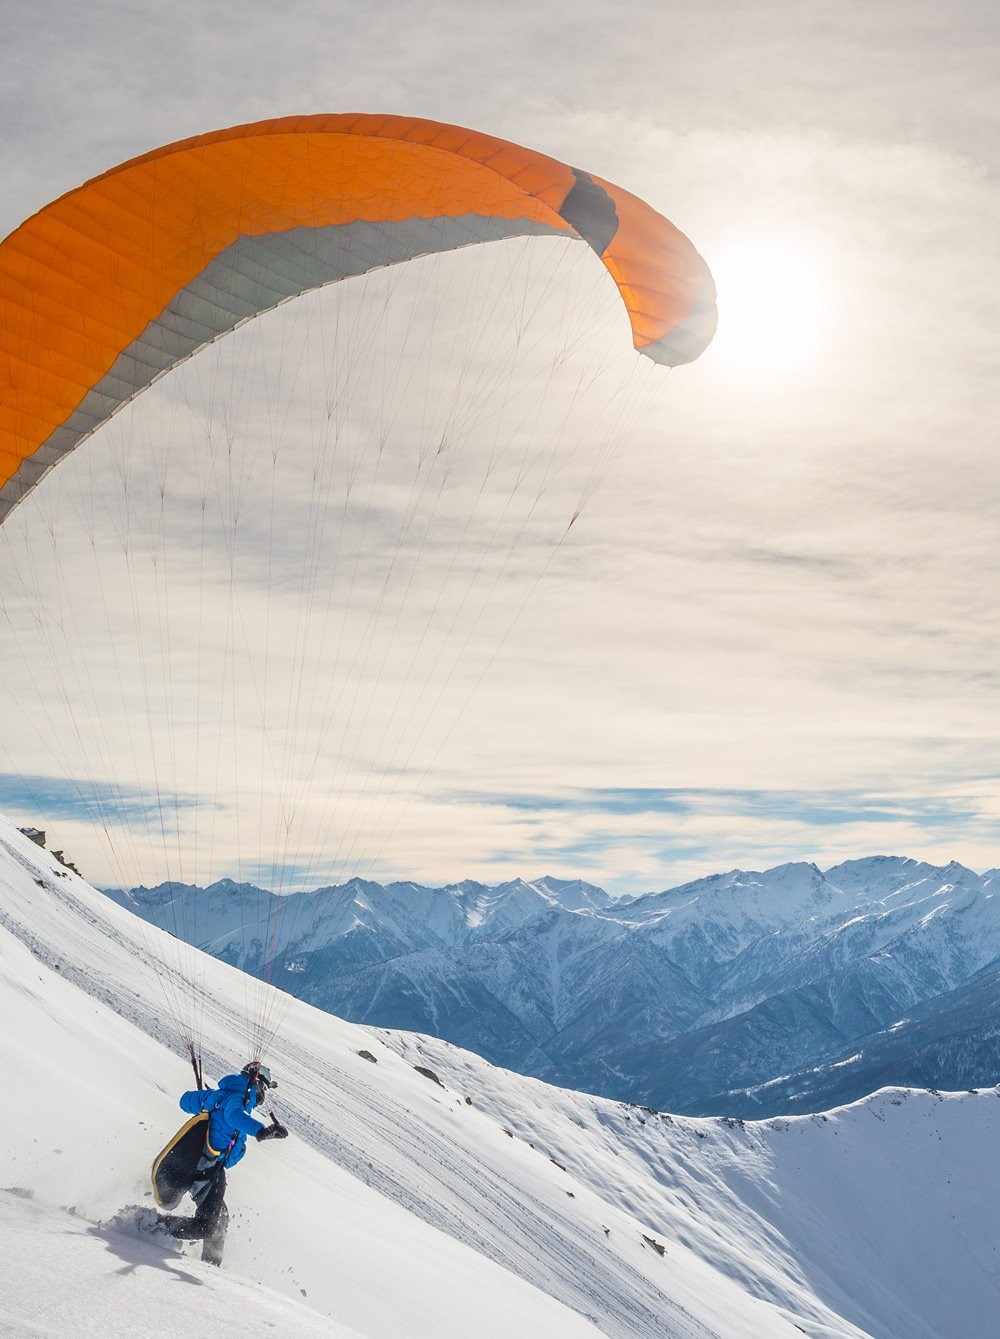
(174, 1166)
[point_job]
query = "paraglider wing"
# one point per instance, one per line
(109, 287)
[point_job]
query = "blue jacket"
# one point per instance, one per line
(229, 1121)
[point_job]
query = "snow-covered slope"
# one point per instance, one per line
(485, 1203)
(773, 976)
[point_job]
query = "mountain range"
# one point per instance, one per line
(741, 994)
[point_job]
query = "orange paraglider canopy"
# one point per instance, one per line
(110, 286)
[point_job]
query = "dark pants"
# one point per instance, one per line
(210, 1220)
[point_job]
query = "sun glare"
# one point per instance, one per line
(772, 306)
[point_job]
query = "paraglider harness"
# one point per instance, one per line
(211, 1174)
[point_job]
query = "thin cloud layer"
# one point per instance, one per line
(784, 588)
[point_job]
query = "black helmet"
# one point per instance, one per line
(259, 1077)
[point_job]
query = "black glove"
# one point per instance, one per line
(274, 1131)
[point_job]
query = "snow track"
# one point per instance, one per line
(477, 1203)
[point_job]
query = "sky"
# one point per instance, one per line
(771, 636)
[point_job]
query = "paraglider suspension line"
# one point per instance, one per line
(195, 1065)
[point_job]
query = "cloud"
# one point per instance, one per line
(56, 798)
(776, 614)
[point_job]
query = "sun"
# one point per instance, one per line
(773, 306)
